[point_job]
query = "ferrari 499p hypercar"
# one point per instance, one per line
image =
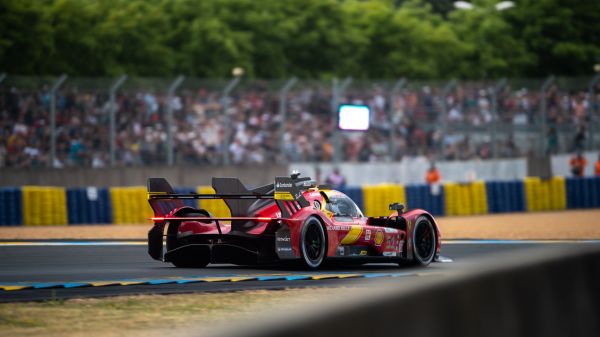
(290, 219)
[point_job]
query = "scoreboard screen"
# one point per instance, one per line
(354, 117)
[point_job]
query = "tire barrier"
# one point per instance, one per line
(545, 194)
(43, 205)
(376, 198)
(11, 209)
(465, 198)
(88, 205)
(187, 190)
(216, 207)
(505, 196)
(130, 205)
(429, 197)
(38, 205)
(583, 192)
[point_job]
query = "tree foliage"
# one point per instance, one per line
(305, 38)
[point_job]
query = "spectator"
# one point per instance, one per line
(597, 167)
(578, 164)
(433, 175)
(336, 179)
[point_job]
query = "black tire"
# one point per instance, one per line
(313, 243)
(424, 241)
(173, 242)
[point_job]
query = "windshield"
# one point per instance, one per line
(341, 205)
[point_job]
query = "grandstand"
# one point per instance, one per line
(443, 121)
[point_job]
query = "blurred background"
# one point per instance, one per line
(507, 88)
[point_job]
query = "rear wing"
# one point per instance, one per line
(286, 192)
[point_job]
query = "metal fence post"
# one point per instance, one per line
(170, 94)
(53, 90)
(495, 120)
(112, 118)
(591, 113)
(226, 131)
(395, 90)
(338, 90)
(544, 114)
(449, 86)
(283, 114)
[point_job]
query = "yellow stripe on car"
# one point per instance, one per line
(353, 235)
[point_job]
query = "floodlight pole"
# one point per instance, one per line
(170, 93)
(544, 113)
(53, 90)
(283, 115)
(449, 86)
(495, 120)
(591, 115)
(395, 90)
(226, 131)
(337, 91)
(112, 118)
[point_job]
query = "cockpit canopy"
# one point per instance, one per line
(342, 206)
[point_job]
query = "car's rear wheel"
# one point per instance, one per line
(424, 241)
(182, 260)
(313, 243)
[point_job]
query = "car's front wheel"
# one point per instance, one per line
(424, 241)
(313, 243)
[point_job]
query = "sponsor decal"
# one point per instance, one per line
(283, 185)
(284, 249)
(340, 228)
(284, 238)
(283, 196)
(363, 252)
(378, 237)
(340, 250)
(390, 254)
(390, 230)
(367, 235)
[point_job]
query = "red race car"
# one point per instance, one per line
(291, 219)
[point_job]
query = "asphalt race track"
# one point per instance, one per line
(55, 270)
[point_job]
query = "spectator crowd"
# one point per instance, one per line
(405, 123)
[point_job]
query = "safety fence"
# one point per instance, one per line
(43, 205)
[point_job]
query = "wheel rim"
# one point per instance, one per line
(424, 239)
(313, 243)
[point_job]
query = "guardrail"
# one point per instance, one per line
(544, 292)
(42, 205)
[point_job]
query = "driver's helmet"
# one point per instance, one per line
(343, 207)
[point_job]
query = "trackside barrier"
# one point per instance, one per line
(545, 292)
(356, 194)
(505, 196)
(88, 205)
(130, 205)
(545, 194)
(216, 207)
(430, 198)
(10, 206)
(583, 192)
(43, 205)
(465, 198)
(39, 205)
(376, 198)
(187, 190)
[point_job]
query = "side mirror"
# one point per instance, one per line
(397, 207)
